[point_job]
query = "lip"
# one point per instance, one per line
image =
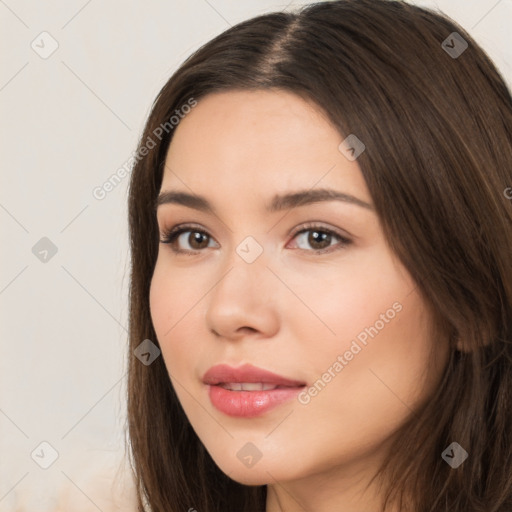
(248, 404)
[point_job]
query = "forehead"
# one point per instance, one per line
(258, 140)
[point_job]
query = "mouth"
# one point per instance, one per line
(248, 391)
(252, 402)
(252, 386)
(246, 375)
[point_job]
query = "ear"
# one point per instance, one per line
(458, 342)
(461, 346)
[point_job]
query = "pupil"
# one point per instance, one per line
(197, 238)
(321, 240)
(317, 237)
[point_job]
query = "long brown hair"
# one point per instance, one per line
(436, 119)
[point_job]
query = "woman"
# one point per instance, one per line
(321, 293)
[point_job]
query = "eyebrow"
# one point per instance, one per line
(278, 202)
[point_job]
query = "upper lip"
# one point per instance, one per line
(223, 374)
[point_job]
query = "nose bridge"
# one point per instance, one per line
(243, 296)
(250, 250)
(245, 269)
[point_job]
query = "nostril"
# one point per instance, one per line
(247, 329)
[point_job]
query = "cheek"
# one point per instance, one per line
(355, 301)
(161, 302)
(165, 306)
(175, 303)
(379, 363)
(172, 293)
(376, 321)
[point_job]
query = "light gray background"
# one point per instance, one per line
(67, 123)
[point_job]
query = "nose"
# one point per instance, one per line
(244, 301)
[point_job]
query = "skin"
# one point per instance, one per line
(292, 311)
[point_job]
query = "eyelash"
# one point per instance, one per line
(170, 236)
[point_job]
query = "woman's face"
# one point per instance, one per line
(307, 290)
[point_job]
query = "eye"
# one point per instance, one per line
(195, 237)
(319, 239)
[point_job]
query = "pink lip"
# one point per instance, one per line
(248, 404)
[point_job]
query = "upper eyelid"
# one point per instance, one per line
(185, 226)
(343, 235)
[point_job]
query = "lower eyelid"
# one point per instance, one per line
(170, 237)
(174, 234)
(342, 240)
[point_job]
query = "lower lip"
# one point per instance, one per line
(249, 404)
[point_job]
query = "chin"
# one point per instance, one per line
(263, 472)
(249, 478)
